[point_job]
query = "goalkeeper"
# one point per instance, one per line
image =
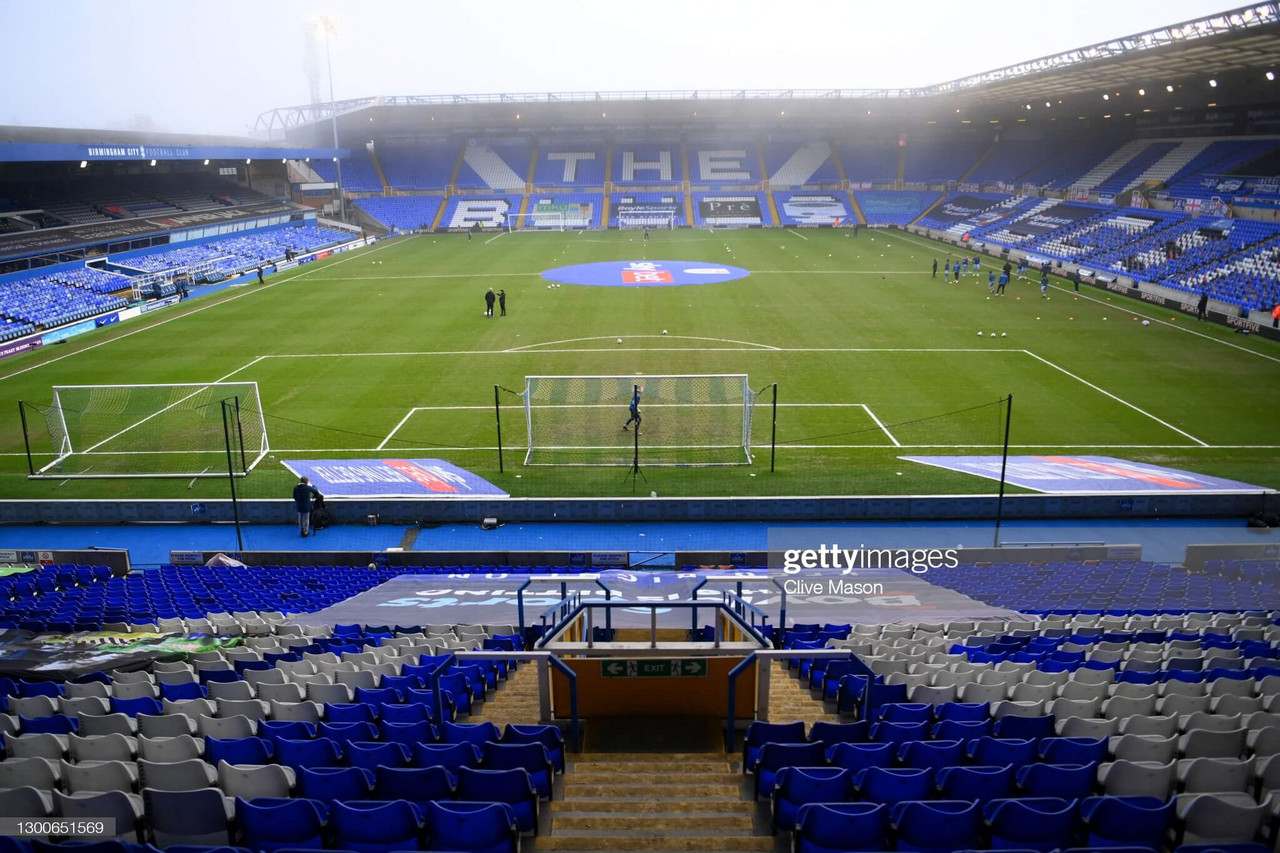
(634, 408)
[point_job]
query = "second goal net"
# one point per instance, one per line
(684, 420)
(125, 431)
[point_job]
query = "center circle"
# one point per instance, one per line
(645, 273)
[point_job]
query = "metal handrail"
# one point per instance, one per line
(573, 697)
(435, 684)
(731, 723)
(491, 654)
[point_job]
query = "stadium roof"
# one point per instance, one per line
(1239, 40)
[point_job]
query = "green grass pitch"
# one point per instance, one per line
(388, 347)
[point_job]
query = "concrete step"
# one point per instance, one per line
(666, 757)
(659, 843)
(570, 805)
(655, 791)
(579, 776)
(642, 824)
(631, 767)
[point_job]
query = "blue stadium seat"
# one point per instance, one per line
(249, 750)
(415, 784)
(823, 828)
(376, 826)
(1032, 824)
(894, 785)
(452, 757)
(858, 756)
(471, 828)
(775, 756)
(270, 825)
(549, 736)
(939, 826)
(530, 757)
(321, 752)
(513, 787)
(1126, 821)
(797, 786)
(334, 784)
(1065, 781)
(759, 733)
(372, 755)
(975, 782)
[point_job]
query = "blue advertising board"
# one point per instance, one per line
(392, 478)
(1068, 474)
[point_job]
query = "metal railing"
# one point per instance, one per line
(762, 682)
(551, 660)
(585, 609)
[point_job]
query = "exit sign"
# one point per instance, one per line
(654, 668)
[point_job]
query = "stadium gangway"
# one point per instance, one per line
(762, 681)
(546, 661)
(586, 609)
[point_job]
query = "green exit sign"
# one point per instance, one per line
(653, 668)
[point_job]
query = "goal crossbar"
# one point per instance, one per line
(686, 420)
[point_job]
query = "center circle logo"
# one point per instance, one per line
(645, 273)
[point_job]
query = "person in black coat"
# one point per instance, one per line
(488, 303)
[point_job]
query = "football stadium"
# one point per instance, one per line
(589, 462)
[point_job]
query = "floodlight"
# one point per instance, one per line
(1142, 91)
(1213, 84)
(84, 164)
(1271, 75)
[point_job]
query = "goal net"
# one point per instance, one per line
(665, 219)
(683, 420)
(180, 430)
(536, 221)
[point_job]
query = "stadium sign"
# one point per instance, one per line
(651, 668)
(392, 478)
(1082, 474)
(21, 346)
(645, 273)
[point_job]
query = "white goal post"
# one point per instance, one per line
(187, 429)
(655, 219)
(551, 220)
(684, 420)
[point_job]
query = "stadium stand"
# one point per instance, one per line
(723, 162)
(798, 163)
(490, 211)
(405, 212)
(495, 164)
(570, 164)
(42, 301)
(567, 210)
(812, 208)
(647, 164)
(426, 166)
(891, 207)
(237, 254)
(1134, 171)
(933, 162)
(94, 199)
(647, 208)
(358, 172)
(868, 162)
(1008, 161)
(730, 209)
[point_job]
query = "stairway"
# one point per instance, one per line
(790, 699)
(515, 701)
(657, 803)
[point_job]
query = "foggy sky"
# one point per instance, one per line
(206, 67)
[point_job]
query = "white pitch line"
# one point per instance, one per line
(667, 337)
(798, 234)
(883, 428)
(259, 289)
(754, 348)
(622, 406)
(495, 237)
(397, 428)
(1120, 400)
(489, 449)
